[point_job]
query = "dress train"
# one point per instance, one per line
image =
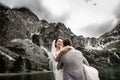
(91, 73)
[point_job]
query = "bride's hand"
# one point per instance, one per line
(62, 52)
(67, 48)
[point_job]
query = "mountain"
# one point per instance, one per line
(106, 48)
(114, 32)
(25, 42)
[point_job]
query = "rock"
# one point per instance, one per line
(22, 34)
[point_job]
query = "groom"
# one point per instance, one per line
(72, 63)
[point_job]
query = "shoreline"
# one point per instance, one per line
(24, 73)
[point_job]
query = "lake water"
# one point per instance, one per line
(105, 74)
(38, 76)
(110, 73)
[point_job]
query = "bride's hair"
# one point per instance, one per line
(56, 41)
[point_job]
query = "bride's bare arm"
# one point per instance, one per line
(62, 52)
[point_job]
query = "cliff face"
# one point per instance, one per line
(105, 50)
(22, 35)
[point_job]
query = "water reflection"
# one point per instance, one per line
(41, 76)
(105, 74)
(109, 73)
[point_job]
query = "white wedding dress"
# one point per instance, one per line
(53, 64)
(90, 72)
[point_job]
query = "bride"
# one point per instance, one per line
(56, 47)
(57, 51)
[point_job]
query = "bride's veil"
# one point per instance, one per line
(53, 48)
(52, 61)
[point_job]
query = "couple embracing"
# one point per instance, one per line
(69, 63)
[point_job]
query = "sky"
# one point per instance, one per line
(90, 18)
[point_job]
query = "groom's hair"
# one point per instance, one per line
(67, 42)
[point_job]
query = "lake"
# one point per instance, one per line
(33, 76)
(110, 73)
(105, 74)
